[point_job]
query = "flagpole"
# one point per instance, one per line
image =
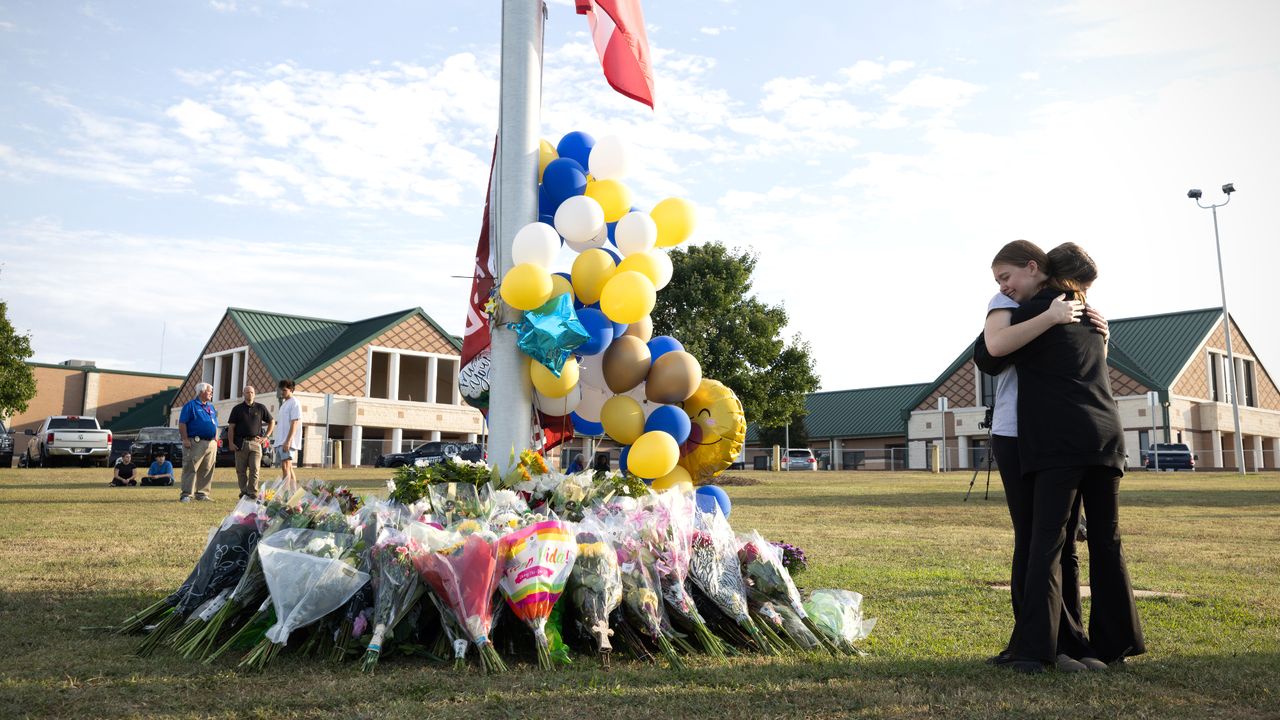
(516, 203)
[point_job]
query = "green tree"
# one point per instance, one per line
(709, 308)
(17, 382)
(799, 434)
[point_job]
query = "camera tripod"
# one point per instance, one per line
(986, 423)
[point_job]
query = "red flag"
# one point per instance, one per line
(473, 373)
(620, 40)
(555, 431)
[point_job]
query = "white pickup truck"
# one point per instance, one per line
(67, 439)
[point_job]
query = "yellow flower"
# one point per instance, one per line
(595, 549)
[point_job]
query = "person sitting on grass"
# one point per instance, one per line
(124, 470)
(161, 471)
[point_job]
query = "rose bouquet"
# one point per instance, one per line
(396, 588)
(595, 584)
(310, 574)
(838, 614)
(536, 562)
(668, 530)
(769, 580)
(713, 567)
(460, 565)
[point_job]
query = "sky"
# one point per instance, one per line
(161, 161)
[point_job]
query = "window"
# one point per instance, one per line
(1247, 395)
(410, 376)
(225, 371)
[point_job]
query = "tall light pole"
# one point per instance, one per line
(1195, 194)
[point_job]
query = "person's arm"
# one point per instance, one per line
(231, 429)
(293, 428)
(985, 361)
(183, 418)
(115, 473)
(1003, 338)
(1100, 326)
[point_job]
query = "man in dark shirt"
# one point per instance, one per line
(123, 474)
(248, 425)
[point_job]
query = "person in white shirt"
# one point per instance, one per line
(287, 440)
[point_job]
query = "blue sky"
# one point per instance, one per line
(160, 161)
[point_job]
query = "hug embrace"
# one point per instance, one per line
(1059, 444)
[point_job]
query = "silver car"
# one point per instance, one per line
(801, 459)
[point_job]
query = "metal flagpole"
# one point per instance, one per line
(516, 204)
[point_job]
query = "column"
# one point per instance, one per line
(835, 454)
(455, 366)
(1257, 453)
(1215, 439)
(393, 376)
(217, 376)
(432, 374)
(92, 383)
(435, 436)
(471, 437)
(962, 449)
(355, 437)
(237, 382)
(397, 440)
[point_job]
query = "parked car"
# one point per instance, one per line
(6, 446)
(151, 440)
(227, 457)
(1169, 456)
(66, 439)
(801, 459)
(430, 453)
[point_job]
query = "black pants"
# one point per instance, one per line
(160, 481)
(1019, 493)
(1114, 629)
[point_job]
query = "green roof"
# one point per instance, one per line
(151, 412)
(1158, 346)
(865, 412)
(297, 347)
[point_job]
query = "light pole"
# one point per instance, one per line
(1195, 194)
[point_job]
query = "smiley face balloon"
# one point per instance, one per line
(718, 430)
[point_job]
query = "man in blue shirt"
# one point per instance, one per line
(160, 472)
(198, 424)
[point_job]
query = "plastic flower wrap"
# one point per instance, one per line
(668, 531)
(641, 591)
(537, 561)
(396, 588)
(460, 565)
(455, 501)
(507, 511)
(595, 584)
(713, 567)
(310, 574)
(769, 580)
(838, 615)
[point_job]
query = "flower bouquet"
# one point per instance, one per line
(668, 532)
(838, 614)
(460, 565)
(595, 584)
(640, 592)
(768, 580)
(396, 588)
(310, 574)
(713, 568)
(536, 562)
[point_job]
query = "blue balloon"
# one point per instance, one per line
(709, 497)
(611, 227)
(662, 345)
(622, 458)
(562, 179)
(575, 146)
(670, 420)
(598, 327)
(613, 253)
(582, 426)
(620, 329)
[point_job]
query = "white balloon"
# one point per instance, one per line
(596, 242)
(609, 159)
(591, 372)
(561, 406)
(636, 232)
(536, 243)
(663, 261)
(579, 219)
(646, 405)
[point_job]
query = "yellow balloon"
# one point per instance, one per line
(675, 219)
(678, 478)
(550, 385)
(526, 286)
(591, 270)
(623, 418)
(653, 455)
(628, 297)
(561, 285)
(546, 153)
(613, 196)
(721, 430)
(643, 263)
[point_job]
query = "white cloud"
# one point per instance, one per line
(716, 31)
(1239, 33)
(939, 93)
(197, 120)
(7, 26)
(1029, 76)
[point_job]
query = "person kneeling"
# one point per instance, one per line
(160, 472)
(124, 470)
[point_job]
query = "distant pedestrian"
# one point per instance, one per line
(161, 471)
(248, 425)
(124, 470)
(288, 435)
(578, 464)
(198, 424)
(601, 463)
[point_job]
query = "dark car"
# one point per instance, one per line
(6, 447)
(431, 453)
(227, 456)
(152, 440)
(1169, 456)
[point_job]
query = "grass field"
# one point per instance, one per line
(75, 554)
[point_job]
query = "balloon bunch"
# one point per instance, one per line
(596, 360)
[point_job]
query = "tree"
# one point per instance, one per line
(17, 382)
(795, 436)
(737, 338)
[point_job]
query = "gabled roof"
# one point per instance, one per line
(1159, 345)
(297, 347)
(151, 412)
(865, 412)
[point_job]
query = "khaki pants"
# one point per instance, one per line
(248, 461)
(197, 468)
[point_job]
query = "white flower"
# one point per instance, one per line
(391, 485)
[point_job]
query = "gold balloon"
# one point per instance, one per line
(561, 285)
(550, 385)
(642, 328)
(673, 378)
(719, 430)
(678, 478)
(626, 363)
(546, 153)
(623, 419)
